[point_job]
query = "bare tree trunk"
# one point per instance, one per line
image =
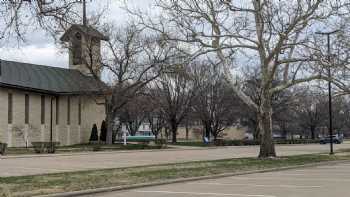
(173, 131)
(256, 132)
(156, 137)
(133, 128)
(207, 131)
(312, 129)
(166, 132)
(187, 131)
(215, 135)
(109, 120)
(267, 147)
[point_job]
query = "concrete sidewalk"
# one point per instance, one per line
(92, 161)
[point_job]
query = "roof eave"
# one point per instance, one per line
(27, 89)
(65, 36)
(96, 92)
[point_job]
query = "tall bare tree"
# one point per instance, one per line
(17, 17)
(173, 92)
(134, 113)
(134, 60)
(215, 104)
(310, 111)
(277, 36)
(154, 115)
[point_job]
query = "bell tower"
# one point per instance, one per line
(84, 44)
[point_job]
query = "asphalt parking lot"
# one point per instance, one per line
(321, 181)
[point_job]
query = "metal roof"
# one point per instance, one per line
(47, 79)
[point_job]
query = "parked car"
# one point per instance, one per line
(336, 139)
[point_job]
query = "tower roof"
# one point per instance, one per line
(86, 30)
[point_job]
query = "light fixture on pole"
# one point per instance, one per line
(330, 128)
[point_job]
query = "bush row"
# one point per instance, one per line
(257, 142)
(247, 142)
(298, 141)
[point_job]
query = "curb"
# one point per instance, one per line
(182, 180)
(101, 152)
(174, 148)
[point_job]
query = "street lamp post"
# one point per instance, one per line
(328, 34)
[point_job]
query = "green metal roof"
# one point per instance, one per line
(47, 79)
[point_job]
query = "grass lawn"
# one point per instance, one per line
(85, 148)
(74, 181)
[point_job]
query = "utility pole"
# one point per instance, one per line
(328, 34)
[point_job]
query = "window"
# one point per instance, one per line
(79, 111)
(10, 105)
(57, 110)
(68, 110)
(42, 109)
(26, 110)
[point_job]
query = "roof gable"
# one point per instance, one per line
(86, 30)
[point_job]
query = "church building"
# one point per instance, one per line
(43, 103)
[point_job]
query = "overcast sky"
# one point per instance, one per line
(41, 49)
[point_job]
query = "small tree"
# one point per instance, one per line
(103, 134)
(94, 133)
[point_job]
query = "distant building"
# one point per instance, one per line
(144, 130)
(195, 133)
(40, 102)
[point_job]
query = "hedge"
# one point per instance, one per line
(246, 142)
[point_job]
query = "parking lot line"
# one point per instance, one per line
(337, 169)
(311, 174)
(345, 164)
(259, 185)
(203, 194)
(37, 168)
(290, 174)
(290, 179)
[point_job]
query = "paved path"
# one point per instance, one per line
(322, 181)
(102, 160)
